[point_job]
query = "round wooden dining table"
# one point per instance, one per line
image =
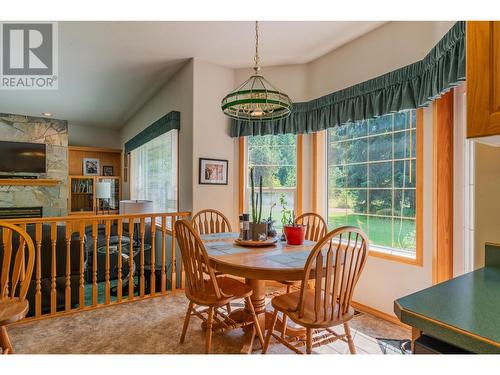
(278, 262)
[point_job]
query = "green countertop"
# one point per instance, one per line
(464, 311)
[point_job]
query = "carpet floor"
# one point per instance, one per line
(154, 326)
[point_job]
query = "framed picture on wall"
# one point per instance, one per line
(91, 167)
(213, 171)
(107, 170)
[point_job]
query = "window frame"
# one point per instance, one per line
(377, 251)
(243, 166)
(129, 172)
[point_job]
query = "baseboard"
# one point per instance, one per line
(379, 314)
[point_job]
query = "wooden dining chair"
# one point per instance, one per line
(17, 267)
(334, 265)
(211, 221)
(204, 288)
(316, 229)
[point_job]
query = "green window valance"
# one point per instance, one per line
(170, 121)
(410, 87)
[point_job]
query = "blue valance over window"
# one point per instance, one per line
(410, 87)
(170, 121)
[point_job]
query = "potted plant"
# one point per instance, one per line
(294, 233)
(258, 229)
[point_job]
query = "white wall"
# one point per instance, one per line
(211, 138)
(83, 135)
(386, 48)
(196, 91)
(175, 95)
(487, 199)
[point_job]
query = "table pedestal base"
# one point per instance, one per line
(265, 317)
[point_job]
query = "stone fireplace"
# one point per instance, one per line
(54, 133)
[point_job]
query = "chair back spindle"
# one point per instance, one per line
(316, 227)
(335, 265)
(211, 221)
(15, 278)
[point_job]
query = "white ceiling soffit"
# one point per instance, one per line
(107, 70)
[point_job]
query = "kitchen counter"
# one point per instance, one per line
(464, 311)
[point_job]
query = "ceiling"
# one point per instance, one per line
(108, 70)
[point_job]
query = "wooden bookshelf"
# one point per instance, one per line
(81, 199)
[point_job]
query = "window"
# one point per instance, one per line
(153, 172)
(274, 157)
(371, 169)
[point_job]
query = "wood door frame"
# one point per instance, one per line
(442, 196)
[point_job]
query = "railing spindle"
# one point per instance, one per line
(81, 232)
(38, 271)
(141, 278)
(53, 270)
(153, 265)
(106, 276)
(23, 267)
(120, 282)
(131, 259)
(67, 289)
(173, 281)
(94, 263)
(163, 256)
(183, 275)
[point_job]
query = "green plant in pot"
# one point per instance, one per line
(294, 233)
(258, 229)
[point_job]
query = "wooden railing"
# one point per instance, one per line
(85, 262)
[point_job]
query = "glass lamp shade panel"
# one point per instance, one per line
(103, 190)
(257, 100)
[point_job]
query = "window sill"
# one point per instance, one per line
(377, 253)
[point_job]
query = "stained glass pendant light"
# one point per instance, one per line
(256, 99)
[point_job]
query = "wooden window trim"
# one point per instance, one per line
(242, 156)
(419, 259)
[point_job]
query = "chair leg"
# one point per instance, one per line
(308, 340)
(186, 322)
(228, 308)
(270, 331)
(5, 344)
(285, 323)
(350, 342)
(208, 337)
(255, 321)
(288, 289)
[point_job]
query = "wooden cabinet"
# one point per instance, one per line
(483, 78)
(82, 189)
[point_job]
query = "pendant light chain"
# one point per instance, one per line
(257, 57)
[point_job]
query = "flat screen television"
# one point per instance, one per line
(22, 157)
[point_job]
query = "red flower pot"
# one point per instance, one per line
(295, 234)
